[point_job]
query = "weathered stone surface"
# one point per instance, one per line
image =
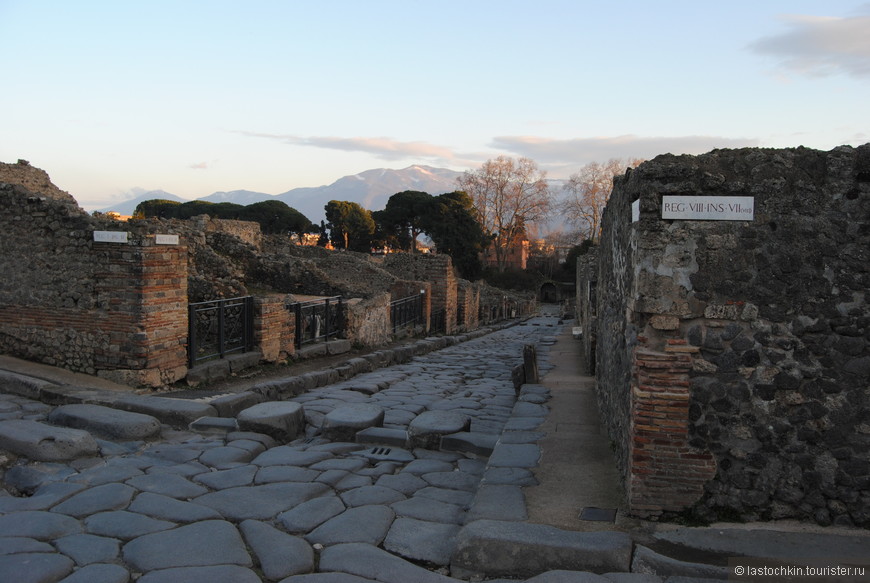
(124, 525)
(34, 567)
(429, 509)
(498, 502)
(428, 427)
(307, 516)
(93, 500)
(175, 412)
(283, 420)
(166, 508)
(363, 524)
(365, 560)
(211, 542)
(38, 525)
(421, 540)
(470, 442)
(498, 548)
(343, 422)
(215, 574)
(167, 484)
(232, 405)
(106, 422)
(649, 562)
(42, 442)
(279, 554)
(85, 549)
(260, 502)
(99, 573)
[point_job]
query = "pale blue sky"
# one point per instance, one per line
(115, 97)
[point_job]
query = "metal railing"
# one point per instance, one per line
(318, 320)
(407, 312)
(220, 327)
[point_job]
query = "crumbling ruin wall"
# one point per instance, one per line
(117, 309)
(733, 356)
(436, 269)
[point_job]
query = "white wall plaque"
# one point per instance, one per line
(635, 211)
(709, 208)
(166, 239)
(110, 236)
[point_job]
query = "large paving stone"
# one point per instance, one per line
(364, 524)
(212, 542)
(106, 422)
(502, 549)
(428, 427)
(282, 420)
(99, 573)
(38, 524)
(370, 562)
(168, 485)
(343, 422)
(309, 515)
(93, 500)
(176, 412)
(421, 540)
(510, 455)
(85, 549)
(34, 567)
(41, 442)
(423, 508)
(124, 525)
(279, 554)
(260, 502)
(498, 502)
(166, 508)
(216, 574)
(286, 455)
(9, 545)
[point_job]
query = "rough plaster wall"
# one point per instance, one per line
(775, 314)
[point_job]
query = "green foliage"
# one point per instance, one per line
(274, 216)
(158, 207)
(454, 227)
(405, 217)
(350, 225)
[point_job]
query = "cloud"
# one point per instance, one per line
(386, 148)
(199, 166)
(820, 46)
(579, 151)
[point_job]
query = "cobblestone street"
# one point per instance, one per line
(228, 505)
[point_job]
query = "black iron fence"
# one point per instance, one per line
(407, 312)
(220, 327)
(318, 320)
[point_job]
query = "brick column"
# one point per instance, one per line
(665, 473)
(274, 328)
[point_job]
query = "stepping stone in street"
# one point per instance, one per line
(426, 430)
(282, 420)
(106, 422)
(45, 443)
(343, 422)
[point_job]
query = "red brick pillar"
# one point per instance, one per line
(665, 473)
(274, 328)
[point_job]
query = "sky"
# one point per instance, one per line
(115, 98)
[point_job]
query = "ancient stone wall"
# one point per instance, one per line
(733, 356)
(436, 269)
(367, 321)
(116, 309)
(586, 305)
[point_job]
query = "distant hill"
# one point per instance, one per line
(371, 189)
(128, 206)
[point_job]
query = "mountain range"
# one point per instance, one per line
(371, 189)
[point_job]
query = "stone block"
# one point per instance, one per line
(338, 346)
(106, 422)
(214, 425)
(343, 422)
(41, 442)
(383, 435)
(497, 548)
(427, 429)
(470, 442)
(283, 420)
(232, 405)
(175, 412)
